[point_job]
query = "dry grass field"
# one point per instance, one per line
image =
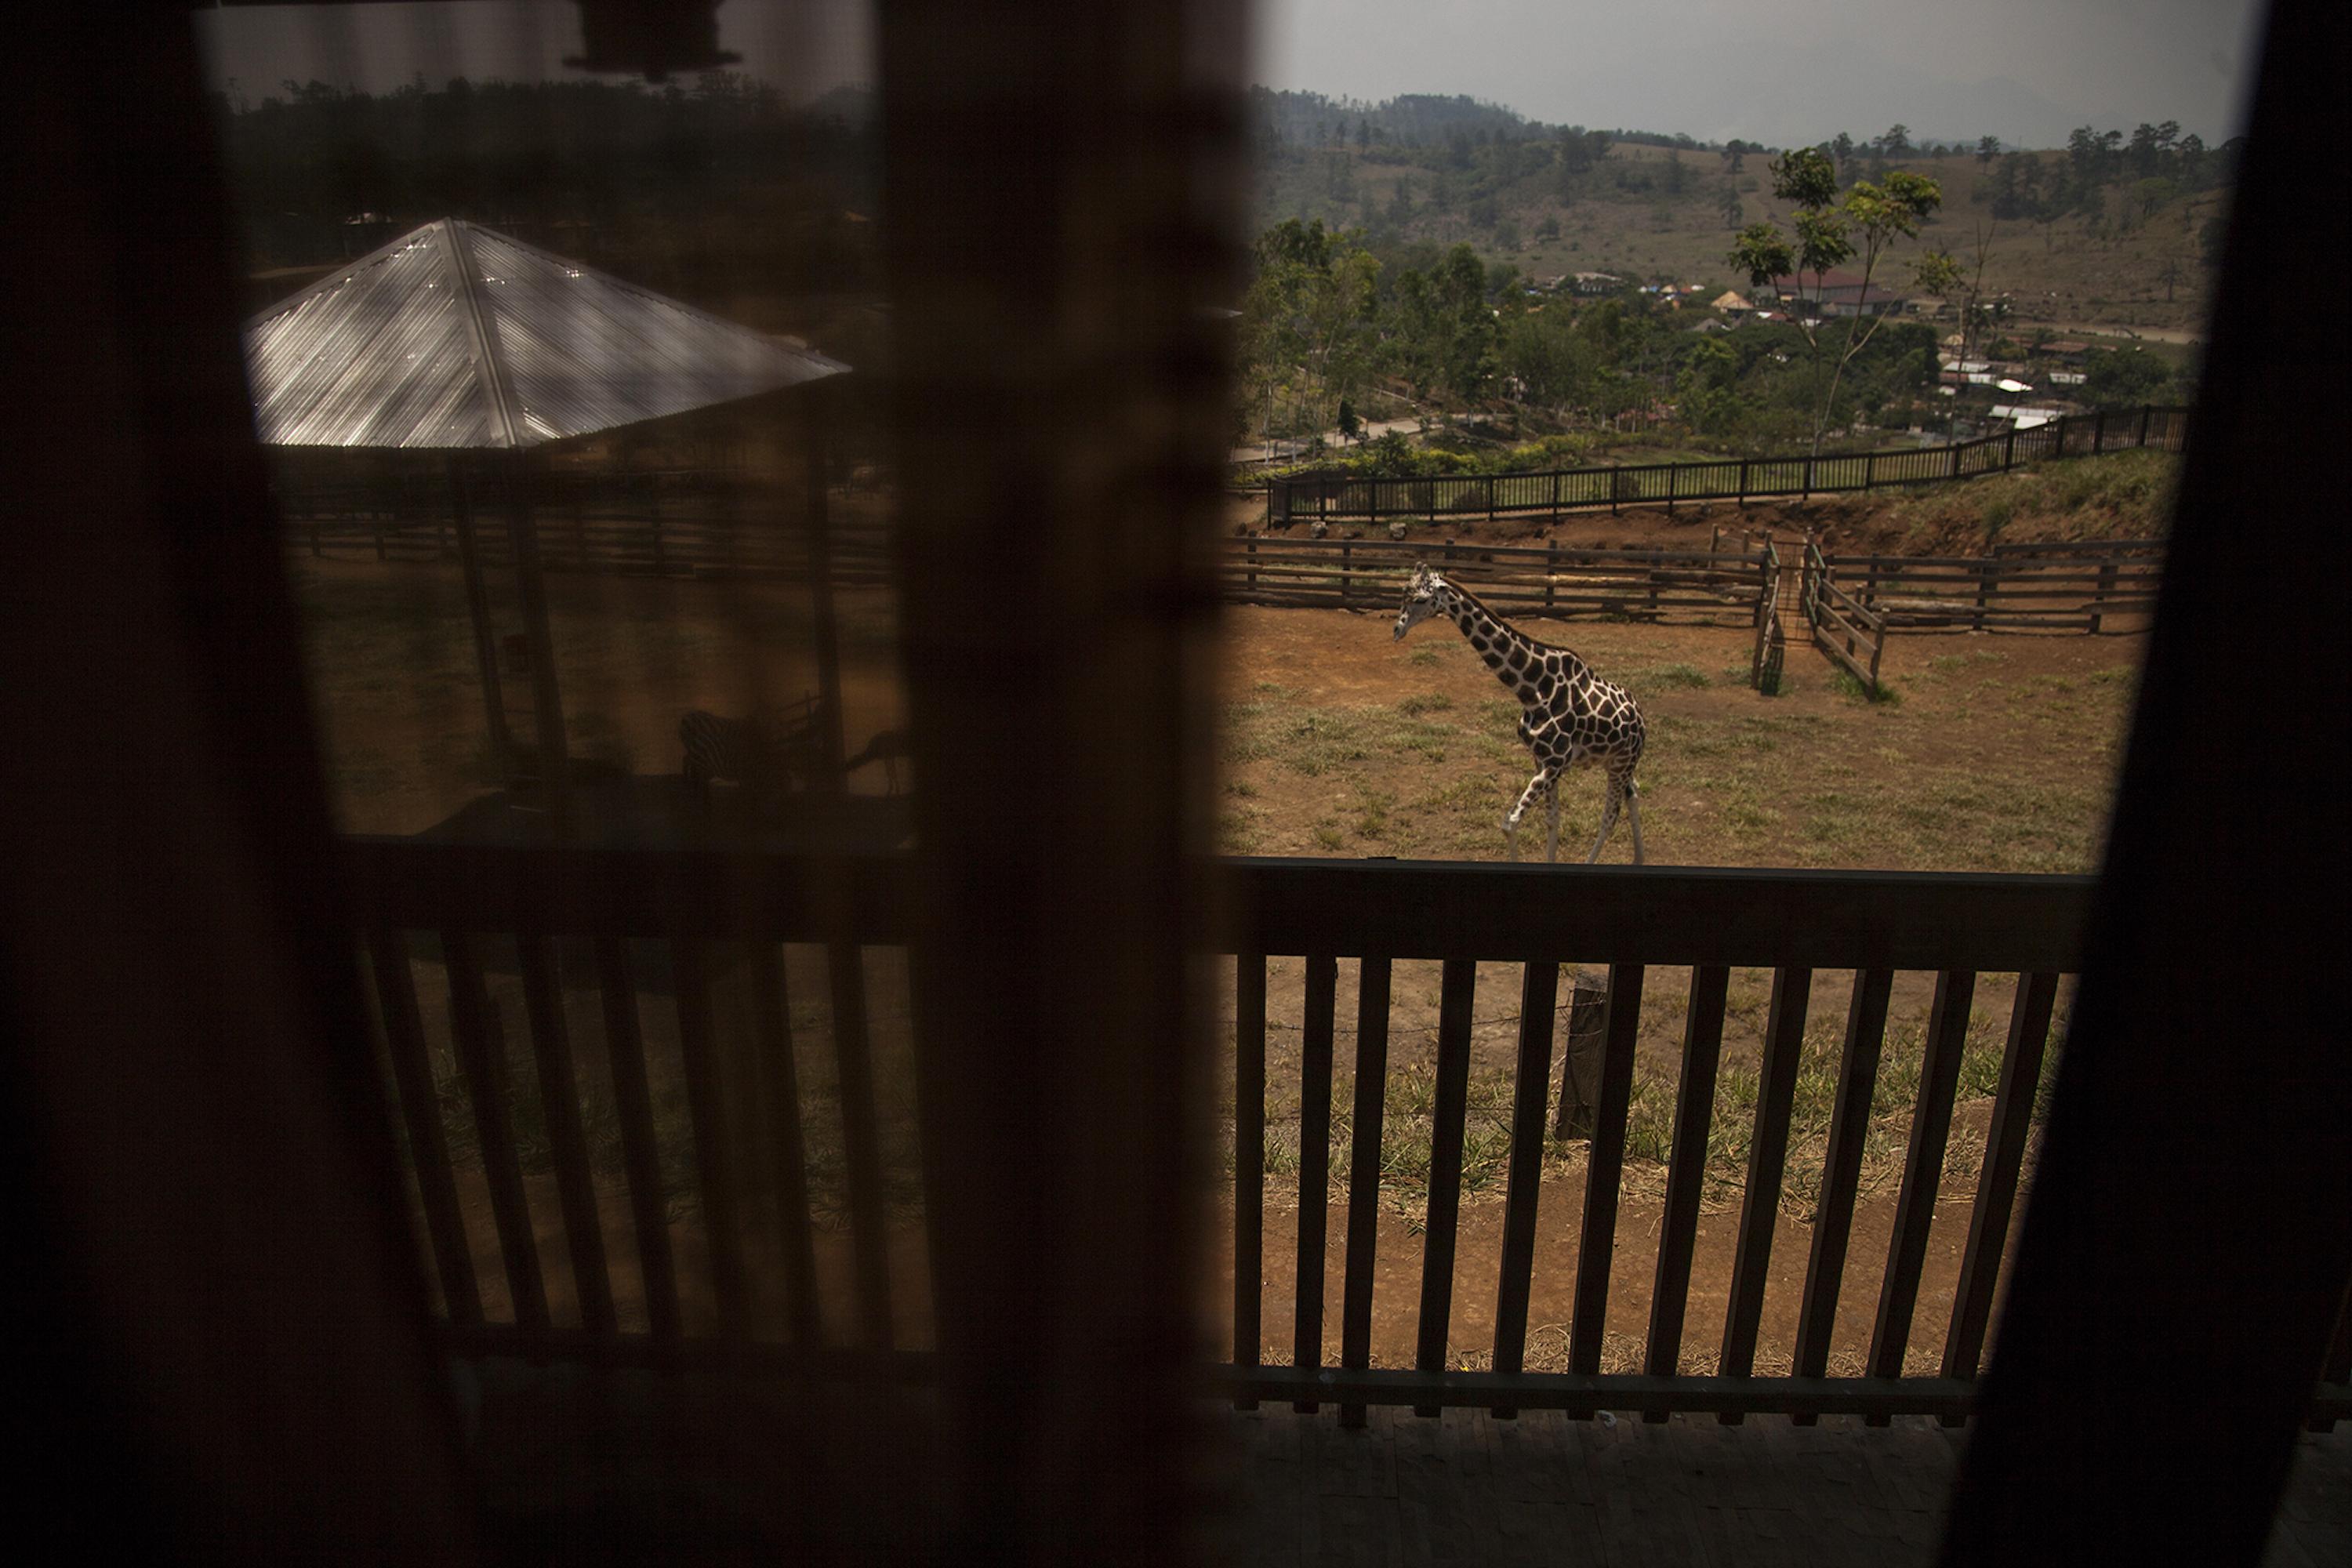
(1991, 753)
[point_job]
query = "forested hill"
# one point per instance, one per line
(1292, 121)
(716, 192)
(2115, 227)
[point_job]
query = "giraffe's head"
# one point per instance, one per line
(1421, 599)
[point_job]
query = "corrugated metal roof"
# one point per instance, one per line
(455, 336)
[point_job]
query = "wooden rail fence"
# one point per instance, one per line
(1332, 497)
(1541, 580)
(741, 1157)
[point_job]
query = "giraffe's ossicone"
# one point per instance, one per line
(1568, 715)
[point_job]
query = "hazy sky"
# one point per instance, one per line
(1778, 71)
(1784, 71)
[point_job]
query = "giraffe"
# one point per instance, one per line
(1571, 714)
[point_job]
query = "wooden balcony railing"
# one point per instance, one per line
(737, 1145)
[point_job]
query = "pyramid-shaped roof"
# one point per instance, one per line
(454, 336)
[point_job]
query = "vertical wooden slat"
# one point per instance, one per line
(1686, 1170)
(624, 1047)
(1538, 1008)
(714, 1170)
(1775, 1088)
(484, 1068)
(1922, 1169)
(1314, 1159)
(1364, 1172)
(428, 1147)
(861, 1139)
(1249, 1158)
(559, 1094)
(1866, 1032)
(1457, 987)
(1597, 1248)
(2012, 1119)
(788, 1155)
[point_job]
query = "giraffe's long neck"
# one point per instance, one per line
(1519, 661)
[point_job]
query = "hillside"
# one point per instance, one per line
(1663, 213)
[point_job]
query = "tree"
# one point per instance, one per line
(1842, 149)
(1728, 204)
(2124, 378)
(1896, 142)
(1987, 149)
(1866, 223)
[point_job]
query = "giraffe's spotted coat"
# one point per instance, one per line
(1569, 715)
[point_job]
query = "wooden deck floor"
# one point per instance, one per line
(580, 1469)
(1545, 1490)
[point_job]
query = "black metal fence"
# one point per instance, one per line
(1345, 497)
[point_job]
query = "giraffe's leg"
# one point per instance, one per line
(1608, 819)
(1633, 816)
(1552, 823)
(1527, 797)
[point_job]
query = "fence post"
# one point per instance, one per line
(1878, 646)
(1743, 484)
(1614, 476)
(2009, 450)
(1956, 461)
(1494, 483)
(1673, 479)
(1253, 568)
(2098, 432)
(1551, 563)
(2106, 586)
(2145, 410)
(1985, 571)
(1555, 495)
(1809, 479)
(1579, 1067)
(1347, 566)
(661, 557)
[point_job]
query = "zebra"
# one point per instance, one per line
(760, 753)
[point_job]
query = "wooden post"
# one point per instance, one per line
(825, 628)
(478, 607)
(2146, 409)
(1253, 568)
(2106, 586)
(1347, 565)
(547, 700)
(1743, 484)
(1869, 471)
(1579, 1066)
(1673, 475)
(2009, 450)
(1551, 561)
(1555, 495)
(1984, 590)
(652, 501)
(2098, 432)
